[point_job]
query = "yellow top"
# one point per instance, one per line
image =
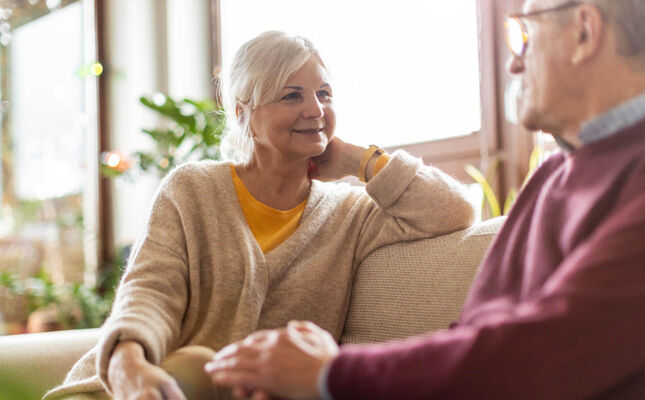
(271, 226)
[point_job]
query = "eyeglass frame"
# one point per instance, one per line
(520, 16)
(559, 7)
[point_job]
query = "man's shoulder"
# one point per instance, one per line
(546, 169)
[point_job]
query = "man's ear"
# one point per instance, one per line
(239, 110)
(589, 30)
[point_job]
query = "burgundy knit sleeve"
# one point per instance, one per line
(581, 336)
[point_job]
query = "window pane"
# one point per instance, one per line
(44, 142)
(47, 106)
(403, 72)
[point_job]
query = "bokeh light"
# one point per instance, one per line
(96, 69)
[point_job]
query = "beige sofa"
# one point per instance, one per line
(400, 290)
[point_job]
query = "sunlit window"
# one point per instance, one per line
(44, 138)
(47, 106)
(403, 72)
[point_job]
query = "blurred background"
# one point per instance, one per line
(100, 98)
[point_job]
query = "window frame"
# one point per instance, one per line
(105, 231)
(99, 248)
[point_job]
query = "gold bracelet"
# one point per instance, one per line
(362, 167)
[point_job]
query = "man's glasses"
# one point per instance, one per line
(517, 36)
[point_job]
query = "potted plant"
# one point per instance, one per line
(193, 132)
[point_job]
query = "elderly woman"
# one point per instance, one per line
(235, 247)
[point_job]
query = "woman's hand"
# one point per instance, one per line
(340, 159)
(132, 377)
(284, 362)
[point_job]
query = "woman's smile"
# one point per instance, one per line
(308, 130)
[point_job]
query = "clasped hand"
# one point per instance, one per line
(282, 363)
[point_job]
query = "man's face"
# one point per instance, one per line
(543, 68)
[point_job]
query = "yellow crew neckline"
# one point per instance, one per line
(257, 203)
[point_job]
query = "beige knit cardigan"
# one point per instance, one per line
(198, 277)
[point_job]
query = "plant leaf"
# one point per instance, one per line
(510, 199)
(534, 162)
(489, 193)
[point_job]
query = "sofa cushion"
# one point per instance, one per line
(399, 290)
(31, 364)
(411, 288)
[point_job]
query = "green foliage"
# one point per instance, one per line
(494, 209)
(489, 193)
(194, 133)
(27, 210)
(78, 305)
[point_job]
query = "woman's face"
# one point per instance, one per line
(300, 123)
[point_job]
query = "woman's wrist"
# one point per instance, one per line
(371, 166)
(345, 159)
(126, 352)
(127, 357)
(352, 159)
(369, 163)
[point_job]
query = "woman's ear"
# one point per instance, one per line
(241, 113)
(243, 117)
(589, 26)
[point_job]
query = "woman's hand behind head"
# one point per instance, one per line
(339, 160)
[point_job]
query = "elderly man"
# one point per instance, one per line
(558, 309)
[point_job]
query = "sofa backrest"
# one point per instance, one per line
(410, 288)
(399, 290)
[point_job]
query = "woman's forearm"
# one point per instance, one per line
(128, 350)
(343, 159)
(352, 158)
(125, 354)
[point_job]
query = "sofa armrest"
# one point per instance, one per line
(410, 288)
(31, 364)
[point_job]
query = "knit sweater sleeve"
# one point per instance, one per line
(578, 338)
(152, 296)
(412, 201)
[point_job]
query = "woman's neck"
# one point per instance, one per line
(276, 183)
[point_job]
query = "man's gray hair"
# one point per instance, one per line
(628, 19)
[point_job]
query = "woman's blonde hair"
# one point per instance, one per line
(259, 71)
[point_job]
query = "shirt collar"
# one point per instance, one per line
(614, 120)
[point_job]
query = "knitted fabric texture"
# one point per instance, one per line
(198, 277)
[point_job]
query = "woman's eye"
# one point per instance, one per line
(291, 96)
(324, 94)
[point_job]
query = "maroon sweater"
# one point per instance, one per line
(558, 308)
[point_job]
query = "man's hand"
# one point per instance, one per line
(284, 362)
(132, 377)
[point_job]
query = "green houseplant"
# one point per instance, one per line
(69, 305)
(193, 131)
(491, 204)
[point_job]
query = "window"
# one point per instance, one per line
(428, 77)
(48, 179)
(403, 72)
